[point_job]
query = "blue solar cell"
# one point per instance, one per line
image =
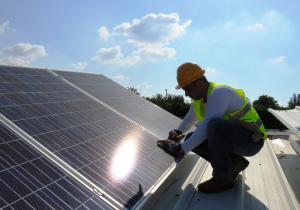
(85, 134)
(5, 101)
(124, 101)
(27, 79)
(7, 194)
(7, 88)
(30, 181)
(3, 70)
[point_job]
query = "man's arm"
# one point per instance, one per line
(188, 121)
(171, 144)
(217, 104)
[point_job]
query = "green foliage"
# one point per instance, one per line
(261, 105)
(248, 100)
(174, 104)
(133, 89)
(269, 120)
(294, 101)
(265, 101)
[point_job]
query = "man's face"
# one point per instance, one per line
(195, 92)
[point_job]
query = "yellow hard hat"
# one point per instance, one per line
(188, 73)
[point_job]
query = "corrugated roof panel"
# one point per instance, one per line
(230, 199)
(295, 142)
(262, 185)
(290, 118)
(290, 163)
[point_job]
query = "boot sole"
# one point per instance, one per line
(241, 168)
(214, 192)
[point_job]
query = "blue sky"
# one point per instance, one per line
(251, 45)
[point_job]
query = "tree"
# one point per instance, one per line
(261, 105)
(265, 101)
(133, 89)
(294, 101)
(172, 103)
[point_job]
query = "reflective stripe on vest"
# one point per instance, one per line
(245, 113)
(241, 113)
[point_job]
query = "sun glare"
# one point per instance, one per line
(124, 159)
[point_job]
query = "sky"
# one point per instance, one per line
(250, 45)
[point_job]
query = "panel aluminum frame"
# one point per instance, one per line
(290, 118)
(70, 169)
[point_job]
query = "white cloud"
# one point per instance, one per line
(129, 60)
(152, 29)
(142, 87)
(251, 28)
(272, 65)
(103, 32)
(280, 59)
(113, 54)
(120, 77)
(79, 65)
(187, 99)
(271, 14)
(4, 27)
(151, 33)
(210, 70)
(228, 24)
(14, 61)
(149, 54)
(108, 55)
(27, 51)
(155, 54)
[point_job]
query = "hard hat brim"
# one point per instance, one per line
(177, 87)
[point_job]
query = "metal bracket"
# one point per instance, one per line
(98, 192)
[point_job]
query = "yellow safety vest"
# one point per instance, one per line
(247, 113)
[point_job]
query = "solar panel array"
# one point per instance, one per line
(113, 153)
(152, 117)
(29, 181)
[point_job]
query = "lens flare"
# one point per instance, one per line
(124, 159)
(278, 142)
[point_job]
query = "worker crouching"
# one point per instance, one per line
(230, 128)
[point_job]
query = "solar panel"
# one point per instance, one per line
(138, 109)
(29, 181)
(118, 156)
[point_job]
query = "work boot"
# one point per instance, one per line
(239, 164)
(216, 185)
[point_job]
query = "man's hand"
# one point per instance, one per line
(171, 146)
(175, 135)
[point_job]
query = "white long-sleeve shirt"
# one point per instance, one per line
(221, 100)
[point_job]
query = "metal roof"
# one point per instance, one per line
(279, 133)
(290, 163)
(295, 142)
(268, 183)
(263, 185)
(290, 118)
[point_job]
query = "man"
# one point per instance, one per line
(230, 128)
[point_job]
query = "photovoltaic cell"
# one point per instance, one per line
(119, 157)
(131, 105)
(29, 181)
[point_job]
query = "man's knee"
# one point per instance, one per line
(215, 123)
